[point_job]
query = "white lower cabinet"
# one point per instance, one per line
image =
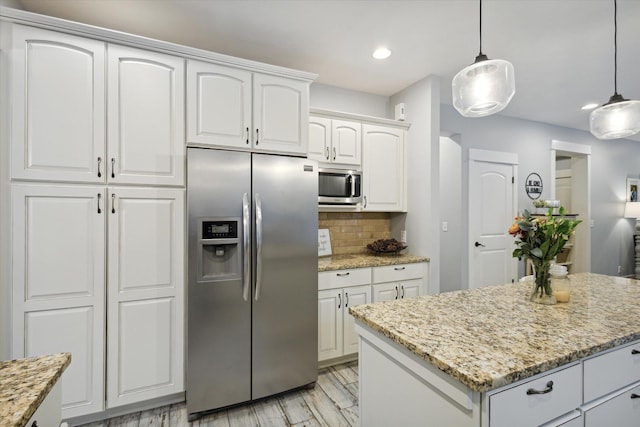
(394, 282)
(336, 330)
(59, 268)
(621, 410)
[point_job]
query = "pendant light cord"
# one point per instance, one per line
(480, 28)
(615, 47)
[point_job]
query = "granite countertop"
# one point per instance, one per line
(342, 262)
(493, 336)
(25, 383)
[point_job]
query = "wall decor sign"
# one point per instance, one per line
(633, 185)
(533, 186)
(324, 242)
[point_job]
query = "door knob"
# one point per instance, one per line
(476, 244)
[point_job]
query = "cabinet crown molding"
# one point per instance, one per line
(358, 117)
(17, 16)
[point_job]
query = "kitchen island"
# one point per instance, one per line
(30, 390)
(490, 357)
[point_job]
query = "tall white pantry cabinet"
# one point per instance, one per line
(96, 178)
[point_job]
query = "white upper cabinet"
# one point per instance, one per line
(384, 168)
(230, 107)
(58, 111)
(58, 124)
(218, 105)
(335, 141)
(146, 117)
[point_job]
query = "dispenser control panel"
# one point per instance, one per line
(219, 230)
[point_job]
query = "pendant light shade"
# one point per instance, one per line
(618, 118)
(484, 87)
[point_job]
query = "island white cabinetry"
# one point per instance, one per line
(337, 290)
(335, 141)
(384, 172)
(393, 282)
(230, 107)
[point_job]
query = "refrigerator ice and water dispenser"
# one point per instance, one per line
(220, 250)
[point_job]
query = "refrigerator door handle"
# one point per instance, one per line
(258, 245)
(246, 247)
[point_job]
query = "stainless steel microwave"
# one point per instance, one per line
(339, 186)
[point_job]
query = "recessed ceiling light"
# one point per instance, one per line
(589, 106)
(381, 53)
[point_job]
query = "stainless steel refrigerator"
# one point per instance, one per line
(253, 276)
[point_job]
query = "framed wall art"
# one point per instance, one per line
(633, 185)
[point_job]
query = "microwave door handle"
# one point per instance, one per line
(246, 246)
(353, 185)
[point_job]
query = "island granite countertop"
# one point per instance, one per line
(25, 383)
(493, 336)
(343, 262)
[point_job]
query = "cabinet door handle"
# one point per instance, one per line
(365, 201)
(326, 151)
(113, 203)
(99, 197)
(257, 136)
(635, 396)
(396, 292)
(334, 153)
(247, 135)
(548, 389)
(399, 268)
(634, 351)
(342, 274)
(402, 287)
(113, 167)
(99, 165)
(346, 300)
(339, 300)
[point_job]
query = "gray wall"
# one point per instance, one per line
(348, 101)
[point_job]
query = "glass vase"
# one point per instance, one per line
(542, 292)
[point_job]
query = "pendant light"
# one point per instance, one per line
(484, 87)
(618, 118)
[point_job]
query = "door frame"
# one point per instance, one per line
(490, 156)
(583, 151)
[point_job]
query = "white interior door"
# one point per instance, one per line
(492, 206)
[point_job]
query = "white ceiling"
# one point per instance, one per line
(562, 50)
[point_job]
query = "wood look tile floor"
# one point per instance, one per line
(333, 402)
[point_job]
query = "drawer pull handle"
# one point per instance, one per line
(342, 274)
(548, 389)
(399, 268)
(635, 396)
(634, 351)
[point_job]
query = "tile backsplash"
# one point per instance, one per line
(350, 232)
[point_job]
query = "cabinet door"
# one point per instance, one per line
(330, 324)
(145, 315)
(346, 142)
(386, 291)
(280, 114)
(353, 296)
(319, 139)
(58, 102)
(146, 117)
(411, 288)
(620, 411)
(384, 173)
(58, 285)
(218, 105)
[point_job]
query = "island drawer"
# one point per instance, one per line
(537, 401)
(396, 273)
(343, 278)
(611, 371)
